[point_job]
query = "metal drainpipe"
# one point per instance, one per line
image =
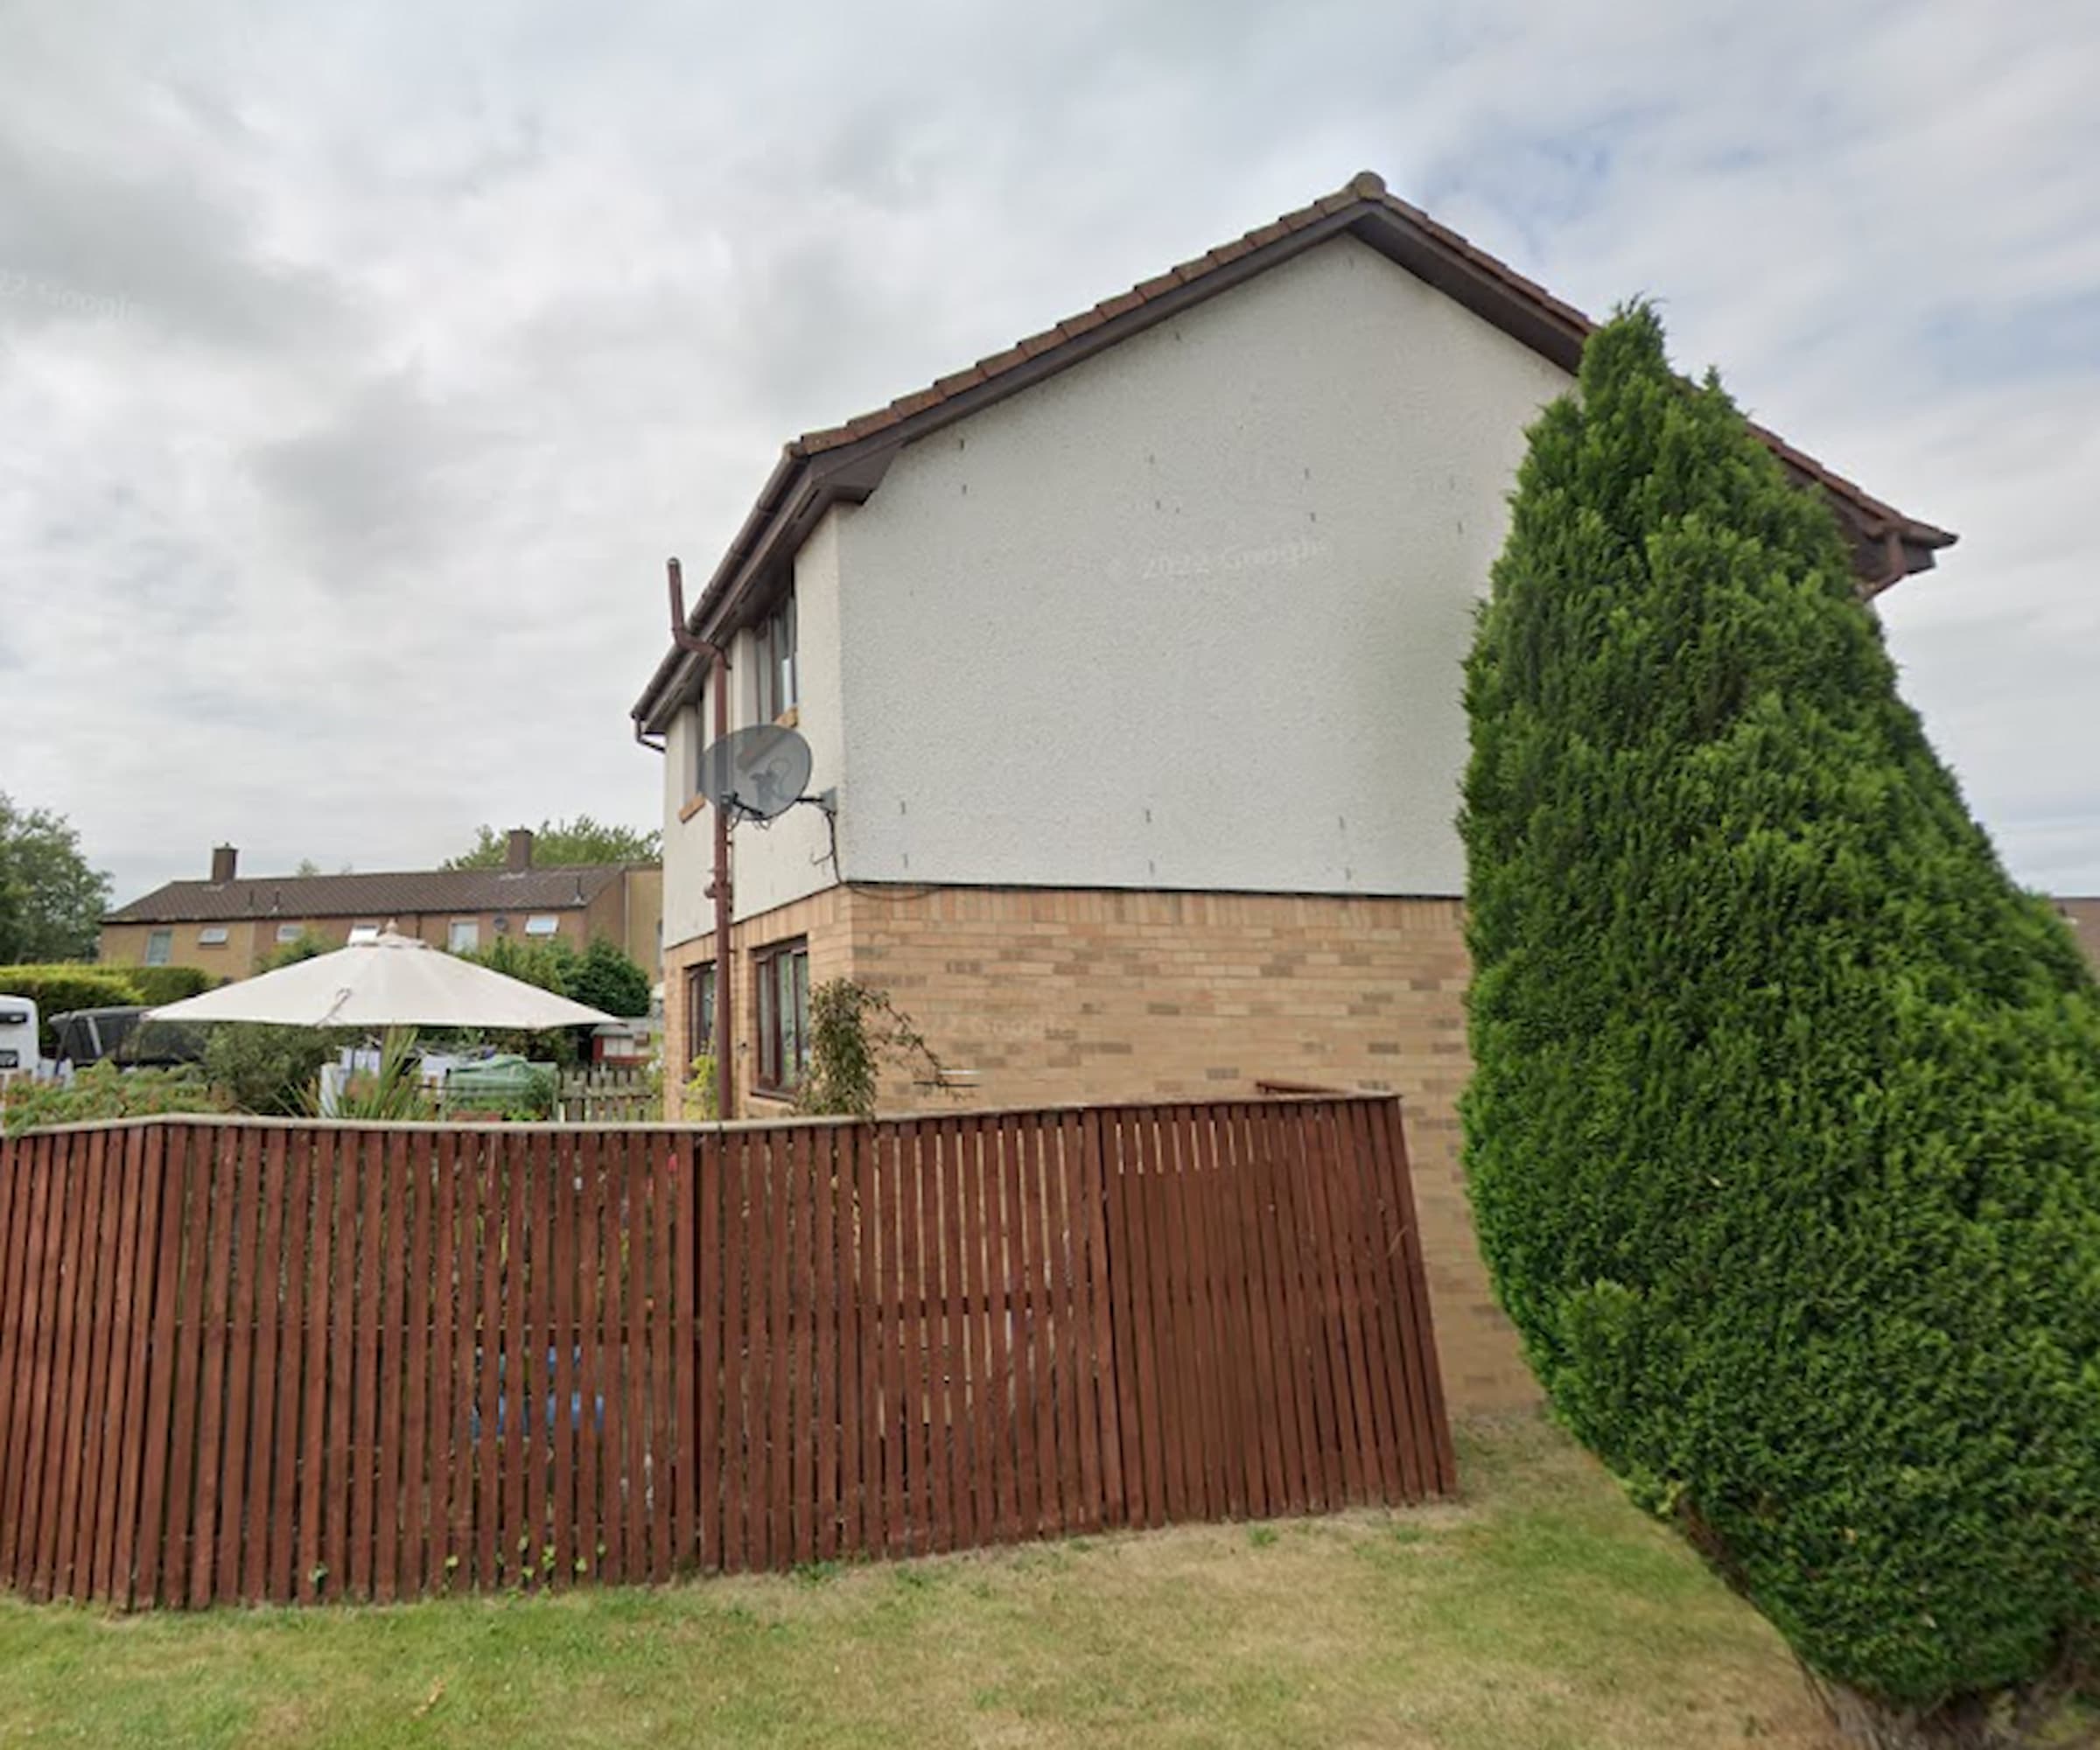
(683, 637)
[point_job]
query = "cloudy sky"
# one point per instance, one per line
(359, 365)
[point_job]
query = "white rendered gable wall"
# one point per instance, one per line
(1189, 615)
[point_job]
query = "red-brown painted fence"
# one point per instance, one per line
(242, 1359)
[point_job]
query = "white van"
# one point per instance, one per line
(18, 1053)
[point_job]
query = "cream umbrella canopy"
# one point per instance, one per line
(391, 981)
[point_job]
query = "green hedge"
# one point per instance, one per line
(70, 984)
(159, 984)
(1783, 1140)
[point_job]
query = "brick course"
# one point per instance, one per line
(1054, 996)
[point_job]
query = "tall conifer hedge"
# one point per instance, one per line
(1784, 1136)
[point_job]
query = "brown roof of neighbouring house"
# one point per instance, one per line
(844, 463)
(376, 897)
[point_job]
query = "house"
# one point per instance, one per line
(230, 924)
(1130, 661)
(2083, 916)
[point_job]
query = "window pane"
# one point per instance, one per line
(465, 935)
(800, 960)
(791, 1032)
(160, 945)
(769, 1055)
(700, 1010)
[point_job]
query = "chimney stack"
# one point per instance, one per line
(520, 858)
(224, 858)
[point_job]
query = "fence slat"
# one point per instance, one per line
(1400, 1182)
(1284, 1239)
(684, 1263)
(568, 1407)
(28, 1171)
(445, 1367)
(39, 1424)
(829, 1206)
(493, 1196)
(799, 1349)
(314, 1431)
(860, 1349)
(345, 1168)
(254, 1525)
(77, 1365)
(132, 1414)
(738, 1224)
(887, 1187)
(710, 1174)
(634, 1358)
(1355, 1186)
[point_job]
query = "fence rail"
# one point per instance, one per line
(301, 1362)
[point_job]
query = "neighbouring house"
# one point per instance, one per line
(1131, 660)
(2083, 916)
(231, 923)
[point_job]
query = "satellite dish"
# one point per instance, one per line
(755, 774)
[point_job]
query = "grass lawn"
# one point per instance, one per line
(1543, 1612)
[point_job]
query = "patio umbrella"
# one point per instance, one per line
(389, 981)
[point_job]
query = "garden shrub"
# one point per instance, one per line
(1784, 1137)
(608, 979)
(103, 1091)
(159, 984)
(269, 1070)
(67, 985)
(853, 1029)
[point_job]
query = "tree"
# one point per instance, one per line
(1784, 1137)
(563, 843)
(608, 979)
(51, 901)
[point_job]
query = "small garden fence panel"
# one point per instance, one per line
(248, 1359)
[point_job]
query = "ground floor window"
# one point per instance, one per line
(464, 935)
(782, 983)
(159, 946)
(700, 1010)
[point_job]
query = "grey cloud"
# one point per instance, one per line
(447, 325)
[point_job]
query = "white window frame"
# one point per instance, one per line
(362, 932)
(160, 946)
(468, 927)
(290, 932)
(543, 923)
(211, 936)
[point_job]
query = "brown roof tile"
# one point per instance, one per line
(376, 897)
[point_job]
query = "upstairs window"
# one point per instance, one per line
(779, 692)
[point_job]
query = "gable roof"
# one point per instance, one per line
(376, 897)
(845, 463)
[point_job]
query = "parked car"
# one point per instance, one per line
(123, 1037)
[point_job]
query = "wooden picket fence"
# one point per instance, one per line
(599, 1095)
(245, 1360)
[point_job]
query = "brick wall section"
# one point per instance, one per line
(821, 920)
(1052, 996)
